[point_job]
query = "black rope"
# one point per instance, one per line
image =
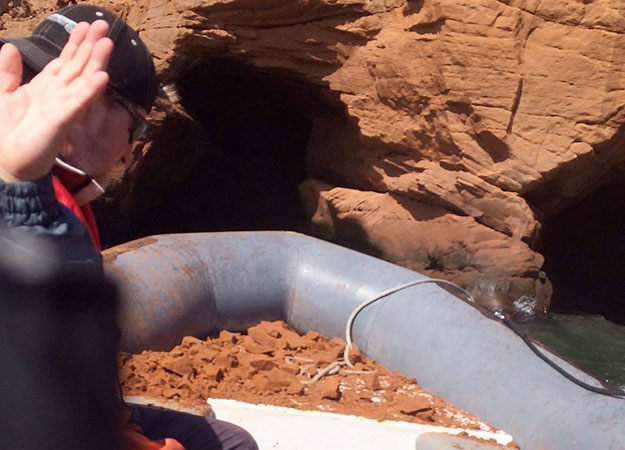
(614, 391)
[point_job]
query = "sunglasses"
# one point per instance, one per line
(139, 126)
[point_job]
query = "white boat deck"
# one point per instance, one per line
(279, 428)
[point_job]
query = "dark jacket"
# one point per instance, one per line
(34, 221)
(44, 233)
(57, 327)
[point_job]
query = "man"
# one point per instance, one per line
(68, 115)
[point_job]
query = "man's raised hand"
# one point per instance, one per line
(35, 117)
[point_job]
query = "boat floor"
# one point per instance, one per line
(281, 428)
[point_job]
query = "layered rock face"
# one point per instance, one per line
(439, 133)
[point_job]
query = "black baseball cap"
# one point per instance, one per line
(131, 69)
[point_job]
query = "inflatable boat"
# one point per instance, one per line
(197, 284)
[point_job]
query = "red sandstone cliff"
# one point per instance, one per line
(460, 123)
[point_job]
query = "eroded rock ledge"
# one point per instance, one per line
(437, 134)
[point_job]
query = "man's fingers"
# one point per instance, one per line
(75, 39)
(76, 65)
(10, 68)
(99, 56)
(83, 31)
(97, 30)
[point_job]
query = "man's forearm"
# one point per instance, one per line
(30, 203)
(31, 218)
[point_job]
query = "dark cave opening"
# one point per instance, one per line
(255, 128)
(584, 249)
(248, 181)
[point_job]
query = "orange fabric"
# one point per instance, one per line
(131, 434)
(84, 214)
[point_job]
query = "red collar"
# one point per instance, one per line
(84, 213)
(71, 181)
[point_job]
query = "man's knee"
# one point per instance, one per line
(231, 436)
(193, 432)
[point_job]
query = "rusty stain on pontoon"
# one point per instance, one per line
(110, 254)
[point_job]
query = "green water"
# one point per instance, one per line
(589, 341)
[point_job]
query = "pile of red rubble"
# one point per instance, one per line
(272, 364)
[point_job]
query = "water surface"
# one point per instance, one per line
(589, 341)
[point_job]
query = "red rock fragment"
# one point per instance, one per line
(273, 381)
(186, 387)
(244, 340)
(258, 362)
(279, 355)
(354, 354)
(228, 337)
(179, 366)
(206, 354)
(372, 381)
(280, 378)
(212, 373)
(262, 337)
(170, 393)
(292, 341)
(427, 415)
(413, 405)
(290, 368)
(336, 342)
(226, 358)
(317, 345)
(190, 341)
(273, 329)
(236, 377)
(260, 381)
(295, 388)
(256, 349)
(312, 336)
(323, 358)
(329, 388)
(247, 372)
(360, 366)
